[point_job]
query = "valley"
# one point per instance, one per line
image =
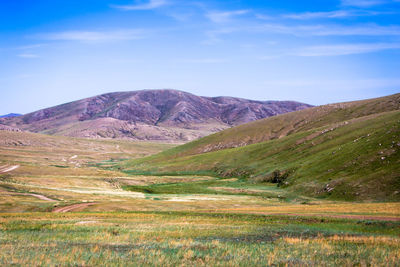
(200, 133)
(111, 201)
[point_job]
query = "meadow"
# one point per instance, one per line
(194, 239)
(66, 202)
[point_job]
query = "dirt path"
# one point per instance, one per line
(73, 207)
(41, 197)
(8, 169)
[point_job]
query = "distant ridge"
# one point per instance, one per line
(164, 115)
(10, 115)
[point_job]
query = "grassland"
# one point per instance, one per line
(71, 202)
(188, 238)
(354, 159)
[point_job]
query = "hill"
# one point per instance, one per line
(343, 151)
(10, 115)
(167, 115)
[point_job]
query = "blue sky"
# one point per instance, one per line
(56, 51)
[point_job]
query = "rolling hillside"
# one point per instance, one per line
(163, 115)
(342, 151)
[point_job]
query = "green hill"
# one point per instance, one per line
(282, 125)
(344, 151)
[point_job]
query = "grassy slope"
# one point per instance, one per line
(353, 160)
(286, 124)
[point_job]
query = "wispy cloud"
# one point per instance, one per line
(345, 49)
(152, 4)
(28, 47)
(264, 17)
(28, 56)
(366, 3)
(333, 14)
(94, 36)
(314, 15)
(216, 36)
(224, 16)
(330, 30)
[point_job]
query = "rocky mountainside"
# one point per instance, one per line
(9, 128)
(167, 115)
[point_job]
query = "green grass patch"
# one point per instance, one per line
(185, 238)
(60, 166)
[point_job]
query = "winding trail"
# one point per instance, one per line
(41, 197)
(5, 169)
(73, 207)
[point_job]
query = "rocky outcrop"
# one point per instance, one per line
(9, 128)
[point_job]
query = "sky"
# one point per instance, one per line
(317, 52)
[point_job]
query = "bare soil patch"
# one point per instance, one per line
(73, 207)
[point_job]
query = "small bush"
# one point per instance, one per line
(276, 177)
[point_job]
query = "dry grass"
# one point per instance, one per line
(224, 227)
(176, 239)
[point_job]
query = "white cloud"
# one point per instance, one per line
(224, 16)
(28, 56)
(94, 36)
(331, 30)
(367, 3)
(214, 36)
(28, 47)
(364, 3)
(361, 30)
(183, 16)
(344, 49)
(264, 17)
(334, 14)
(152, 4)
(314, 15)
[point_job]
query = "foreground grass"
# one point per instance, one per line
(171, 219)
(176, 238)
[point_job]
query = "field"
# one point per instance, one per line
(66, 201)
(191, 238)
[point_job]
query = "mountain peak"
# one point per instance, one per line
(166, 114)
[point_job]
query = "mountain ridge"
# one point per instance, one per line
(10, 115)
(149, 115)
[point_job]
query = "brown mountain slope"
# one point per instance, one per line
(149, 115)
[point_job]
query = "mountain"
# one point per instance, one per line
(167, 115)
(346, 151)
(10, 115)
